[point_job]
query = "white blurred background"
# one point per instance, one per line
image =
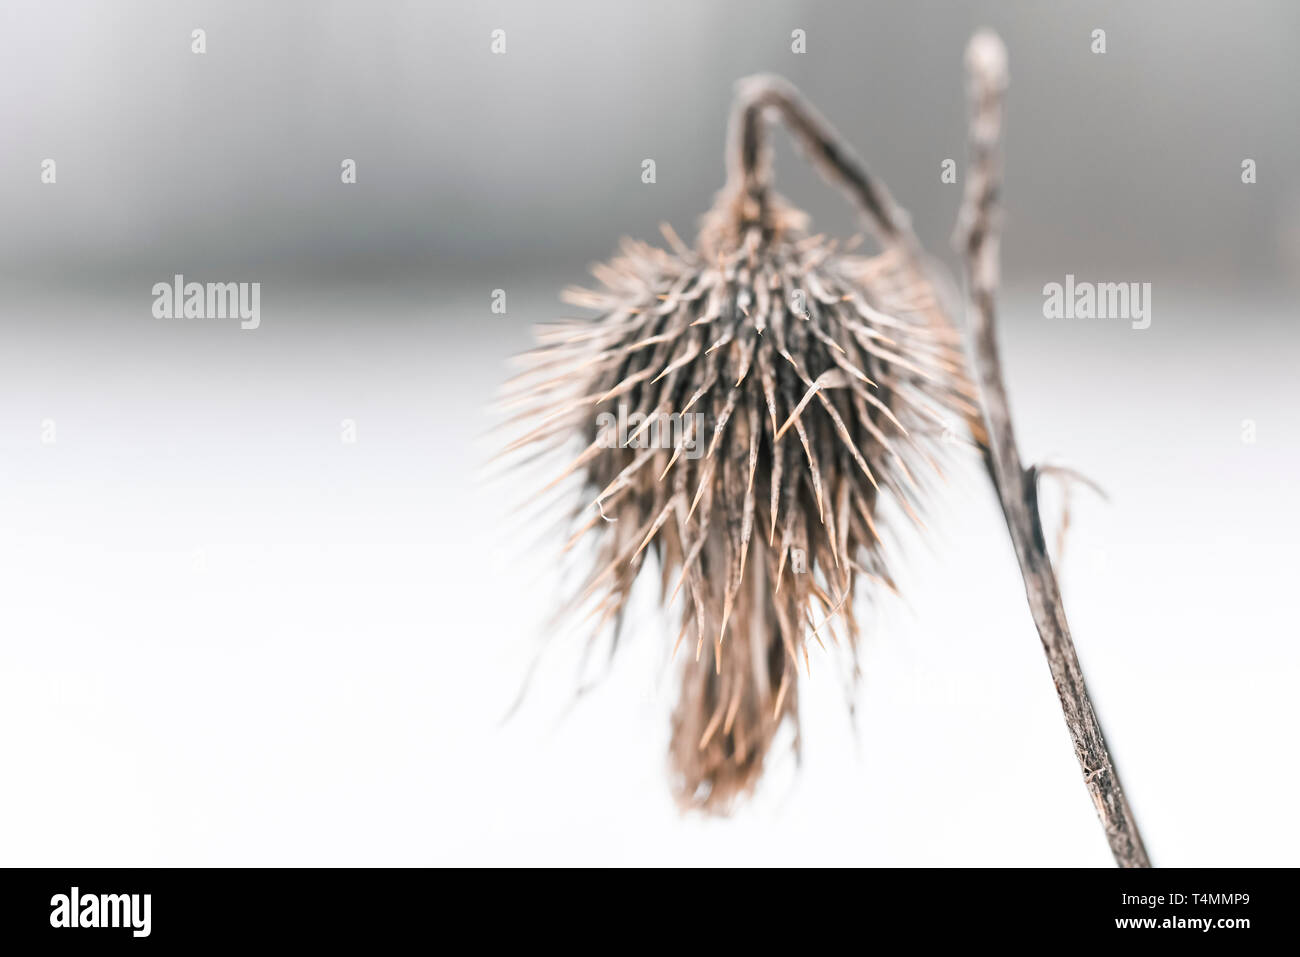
(228, 637)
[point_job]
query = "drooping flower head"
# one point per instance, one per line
(744, 408)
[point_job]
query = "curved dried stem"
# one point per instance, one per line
(749, 160)
(977, 240)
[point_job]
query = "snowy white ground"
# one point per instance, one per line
(227, 637)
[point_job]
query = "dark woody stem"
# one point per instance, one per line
(977, 240)
(749, 161)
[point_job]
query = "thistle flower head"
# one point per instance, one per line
(743, 410)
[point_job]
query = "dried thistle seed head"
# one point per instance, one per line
(744, 407)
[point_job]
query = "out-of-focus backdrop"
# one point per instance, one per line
(259, 604)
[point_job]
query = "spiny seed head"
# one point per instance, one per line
(745, 408)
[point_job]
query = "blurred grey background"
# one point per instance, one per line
(1126, 162)
(251, 641)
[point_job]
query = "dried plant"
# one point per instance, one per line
(821, 382)
(1017, 487)
(788, 399)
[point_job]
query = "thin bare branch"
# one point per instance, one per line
(977, 240)
(750, 163)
